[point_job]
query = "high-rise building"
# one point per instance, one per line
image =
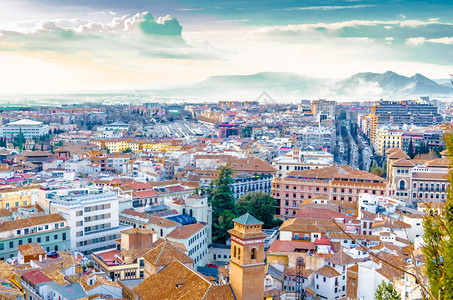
(400, 113)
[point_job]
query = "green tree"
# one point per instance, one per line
(221, 227)
(385, 291)
(127, 150)
(410, 150)
(261, 206)
(438, 242)
(220, 195)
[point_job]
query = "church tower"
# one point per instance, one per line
(247, 258)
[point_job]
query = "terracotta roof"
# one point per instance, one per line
(341, 235)
(181, 282)
(310, 225)
(30, 222)
(342, 259)
(31, 249)
(319, 213)
(163, 254)
(290, 246)
(84, 281)
(162, 222)
(186, 231)
(322, 241)
(255, 165)
(145, 194)
(327, 271)
(439, 162)
(402, 163)
(36, 277)
(134, 213)
(390, 223)
(398, 155)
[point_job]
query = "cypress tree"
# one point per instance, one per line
(411, 149)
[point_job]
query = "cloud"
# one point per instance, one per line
(327, 7)
(416, 41)
(444, 40)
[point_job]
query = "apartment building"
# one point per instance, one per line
(336, 183)
(28, 128)
(92, 214)
(318, 137)
(417, 179)
(50, 231)
(297, 160)
(19, 196)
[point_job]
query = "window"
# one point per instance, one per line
(239, 253)
(2, 246)
(55, 237)
(29, 240)
(47, 238)
(38, 240)
(234, 251)
(324, 279)
(11, 244)
(253, 254)
(20, 242)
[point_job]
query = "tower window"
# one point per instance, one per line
(253, 253)
(239, 253)
(234, 252)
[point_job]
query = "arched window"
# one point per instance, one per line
(234, 251)
(183, 211)
(191, 212)
(239, 253)
(253, 253)
(161, 232)
(402, 185)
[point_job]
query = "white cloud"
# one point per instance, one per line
(328, 7)
(444, 40)
(415, 41)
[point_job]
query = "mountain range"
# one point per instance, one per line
(283, 85)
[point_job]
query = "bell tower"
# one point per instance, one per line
(247, 258)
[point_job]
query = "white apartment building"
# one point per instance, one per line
(197, 207)
(316, 137)
(297, 160)
(195, 238)
(29, 128)
(92, 214)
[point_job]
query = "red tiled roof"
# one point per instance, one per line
(186, 231)
(176, 188)
(145, 194)
(36, 277)
(319, 213)
(290, 246)
(322, 241)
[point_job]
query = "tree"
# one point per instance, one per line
(385, 291)
(220, 195)
(438, 241)
(261, 206)
(410, 151)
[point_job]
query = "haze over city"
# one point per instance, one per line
(170, 47)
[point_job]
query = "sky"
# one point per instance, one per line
(73, 46)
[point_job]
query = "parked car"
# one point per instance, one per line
(211, 265)
(52, 254)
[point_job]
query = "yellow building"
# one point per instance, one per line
(20, 196)
(120, 145)
(388, 138)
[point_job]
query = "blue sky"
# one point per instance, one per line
(81, 45)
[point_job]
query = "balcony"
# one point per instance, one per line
(302, 238)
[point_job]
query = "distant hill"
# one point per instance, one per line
(390, 84)
(281, 84)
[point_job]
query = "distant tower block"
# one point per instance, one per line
(247, 258)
